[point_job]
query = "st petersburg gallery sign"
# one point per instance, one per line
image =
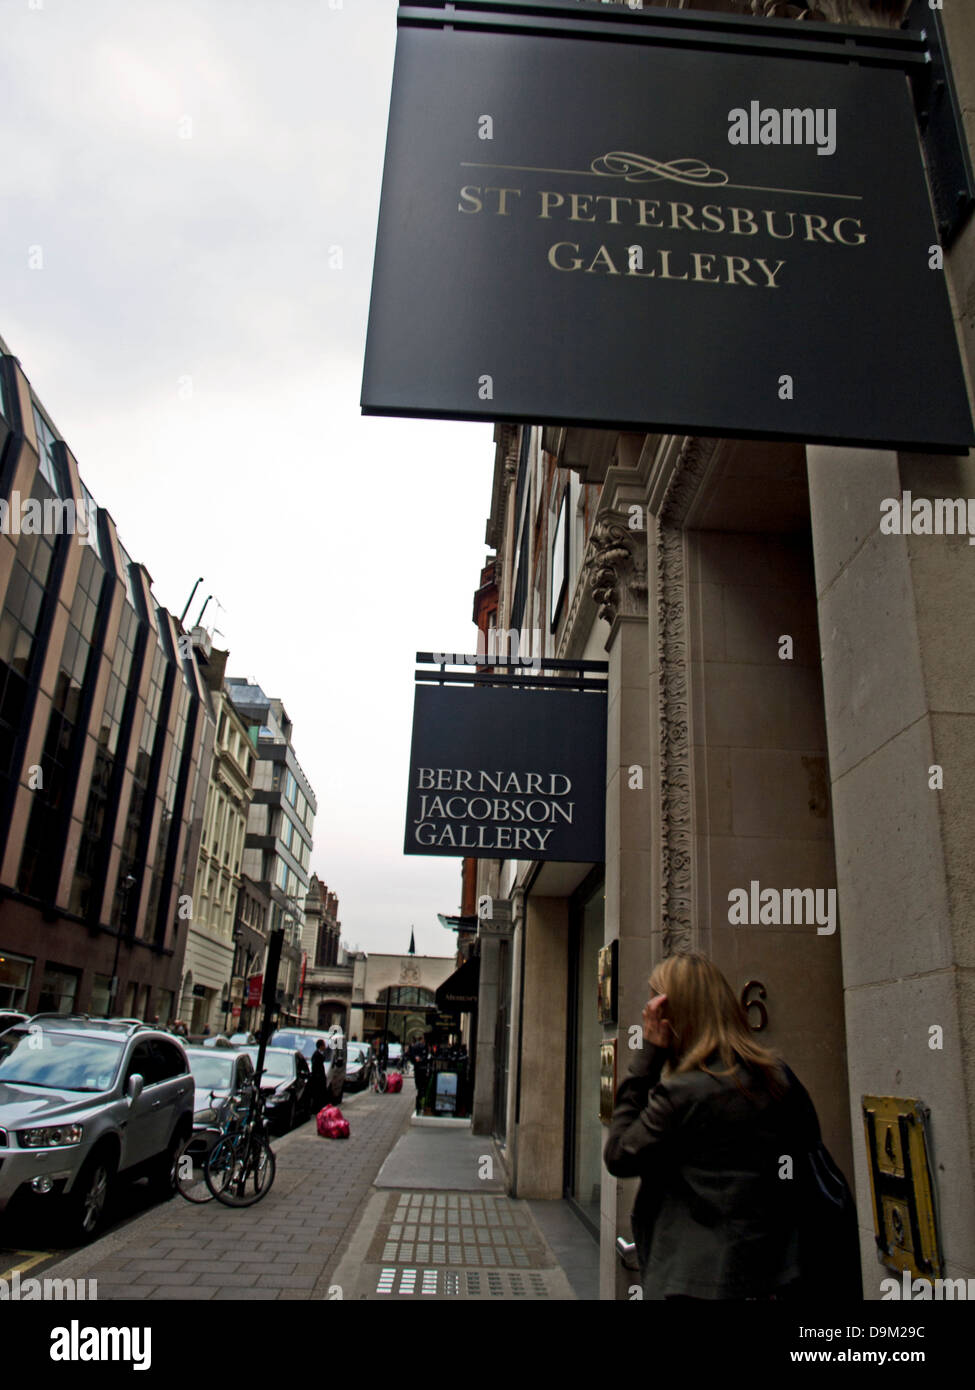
(620, 235)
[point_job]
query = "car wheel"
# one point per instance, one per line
(90, 1197)
(162, 1173)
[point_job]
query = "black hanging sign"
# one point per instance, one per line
(507, 773)
(624, 235)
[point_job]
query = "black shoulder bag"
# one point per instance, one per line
(829, 1241)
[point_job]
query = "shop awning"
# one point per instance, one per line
(458, 994)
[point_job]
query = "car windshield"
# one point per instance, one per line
(212, 1073)
(356, 1053)
(279, 1065)
(302, 1042)
(58, 1061)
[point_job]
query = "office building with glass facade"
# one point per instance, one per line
(105, 743)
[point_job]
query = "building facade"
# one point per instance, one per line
(207, 1001)
(250, 952)
(278, 844)
(106, 737)
(326, 993)
(790, 707)
(395, 993)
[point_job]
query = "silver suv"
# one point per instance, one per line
(83, 1101)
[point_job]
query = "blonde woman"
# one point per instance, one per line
(705, 1119)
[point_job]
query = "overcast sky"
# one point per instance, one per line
(187, 170)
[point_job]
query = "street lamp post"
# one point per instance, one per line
(275, 942)
(389, 995)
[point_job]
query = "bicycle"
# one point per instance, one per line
(189, 1176)
(241, 1165)
(189, 1170)
(379, 1080)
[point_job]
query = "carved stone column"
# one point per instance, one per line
(678, 488)
(616, 563)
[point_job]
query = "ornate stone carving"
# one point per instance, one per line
(882, 14)
(781, 9)
(616, 565)
(676, 895)
(409, 973)
(512, 449)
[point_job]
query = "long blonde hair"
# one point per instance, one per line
(706, 1018)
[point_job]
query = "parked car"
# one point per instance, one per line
(10, 1019)
(285, 1083)
(216, 1040)
(85, 1102)
(305, 1040)
(243, 1040)
(218, 1078)
(360, 1063)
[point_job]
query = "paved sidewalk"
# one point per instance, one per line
(284, 1247)
(448, 1160)
(439, 1227)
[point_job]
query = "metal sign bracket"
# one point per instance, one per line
(940, 126)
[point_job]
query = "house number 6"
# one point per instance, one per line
(749, 1004)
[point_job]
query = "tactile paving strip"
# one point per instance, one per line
(460, 1283)
(457, 1245)
(456, 1229)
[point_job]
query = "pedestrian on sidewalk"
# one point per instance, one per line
(319, 1078)
(420, 1057)
(704, 1119)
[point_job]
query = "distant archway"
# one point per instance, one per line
(408, 997)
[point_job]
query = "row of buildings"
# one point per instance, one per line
(155, 822)
(838, 760)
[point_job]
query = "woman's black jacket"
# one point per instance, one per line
(715, 1216)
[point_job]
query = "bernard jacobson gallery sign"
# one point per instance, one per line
(507, 773)
(618, 235)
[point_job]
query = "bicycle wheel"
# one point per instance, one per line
(190, 1173)
(240, 1170)
(381, 1082)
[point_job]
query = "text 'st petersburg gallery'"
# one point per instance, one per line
(580, 232)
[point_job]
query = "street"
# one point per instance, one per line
(284, 1247)
(401, 1209)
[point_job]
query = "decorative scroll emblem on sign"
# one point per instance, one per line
(637, 168)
